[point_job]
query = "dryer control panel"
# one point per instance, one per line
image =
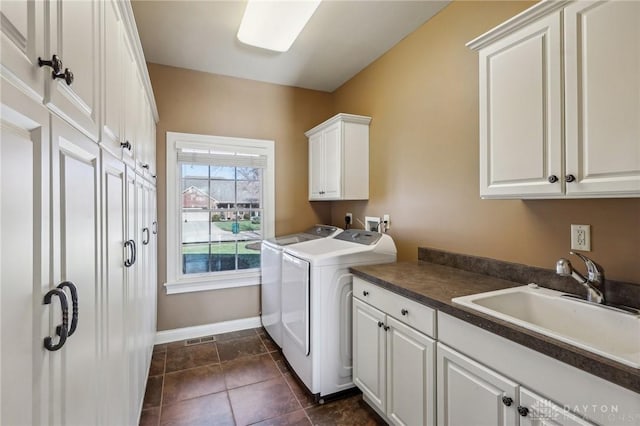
(360, 236)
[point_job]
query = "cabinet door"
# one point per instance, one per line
(369, 353)
(24, 259)
(542, 412)
(471, 394)
(112, 90)
(22, 43)
(411, 369)
(115, 296)
(76, 257)
(73, 36)
(332, 139)
(521, 114)
(316, 167)
(602, 48)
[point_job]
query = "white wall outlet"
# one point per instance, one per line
(387, 221)
(371, 223)
(581, 237)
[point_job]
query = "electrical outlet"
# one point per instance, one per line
(581, 237)
(348, 219)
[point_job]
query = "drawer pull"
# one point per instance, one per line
(386, 328)
(507, 401)
(523, 411)
(365, 293)
(404, 312)
(380, 324)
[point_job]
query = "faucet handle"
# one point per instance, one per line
(594, 271)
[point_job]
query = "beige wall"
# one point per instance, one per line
(195, 102)
(423, 97)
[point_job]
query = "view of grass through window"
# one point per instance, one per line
(221, 217)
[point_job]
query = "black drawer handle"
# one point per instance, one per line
(74, 302)
(55, 63)
(507, 401)
(380, 324)
(404, 312)
(523, 411)
(67, 76)
(125, 145)
(365, 293)
(62, 329)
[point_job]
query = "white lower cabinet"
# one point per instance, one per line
(471, 394)
(539, 411)
(393, 364)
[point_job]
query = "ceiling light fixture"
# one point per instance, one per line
(275, 25)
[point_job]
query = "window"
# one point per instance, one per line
(220, 200)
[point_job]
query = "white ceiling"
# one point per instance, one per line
(341, 39)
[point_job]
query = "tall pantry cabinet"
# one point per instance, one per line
(77, 214)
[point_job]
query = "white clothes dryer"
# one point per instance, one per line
(316, 305)
(271, 271)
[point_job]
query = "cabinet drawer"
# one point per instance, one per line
(416, 315)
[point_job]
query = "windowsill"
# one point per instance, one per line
(220, 281)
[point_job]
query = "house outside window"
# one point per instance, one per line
(220, 205)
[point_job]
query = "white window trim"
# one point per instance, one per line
(178, 283)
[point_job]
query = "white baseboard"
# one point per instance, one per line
(166, 336)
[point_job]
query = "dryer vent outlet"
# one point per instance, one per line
(372, 223)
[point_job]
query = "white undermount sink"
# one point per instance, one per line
(609, 333)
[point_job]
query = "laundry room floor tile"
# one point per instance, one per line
(240, 378)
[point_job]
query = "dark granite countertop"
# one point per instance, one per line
(435, 285)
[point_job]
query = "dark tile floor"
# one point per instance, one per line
(239, 379)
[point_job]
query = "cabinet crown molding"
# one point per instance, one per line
(346, 118)
(522, 19)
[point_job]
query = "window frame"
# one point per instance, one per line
(177, 282)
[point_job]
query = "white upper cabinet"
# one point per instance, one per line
(339, 158)
(560, 110)
(520, 114)
(112, 90)
(74, 38)
(602, 84)
(22, 43)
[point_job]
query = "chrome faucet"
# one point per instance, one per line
(595, 276)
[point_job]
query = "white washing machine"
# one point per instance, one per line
(271, 264)
(316, 305)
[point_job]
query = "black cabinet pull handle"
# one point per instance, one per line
(74, 303)
(154, 227)
(145, 166)
(552, 179)
(62, 329)
(67, 75)
(570, 178)
(386, 328)
(380, 324)
(523, 411)
(131, 245)
(507, 401)
(125, 145)
(55, 63)
(148, 236)
(404, 312)
(365, 293)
